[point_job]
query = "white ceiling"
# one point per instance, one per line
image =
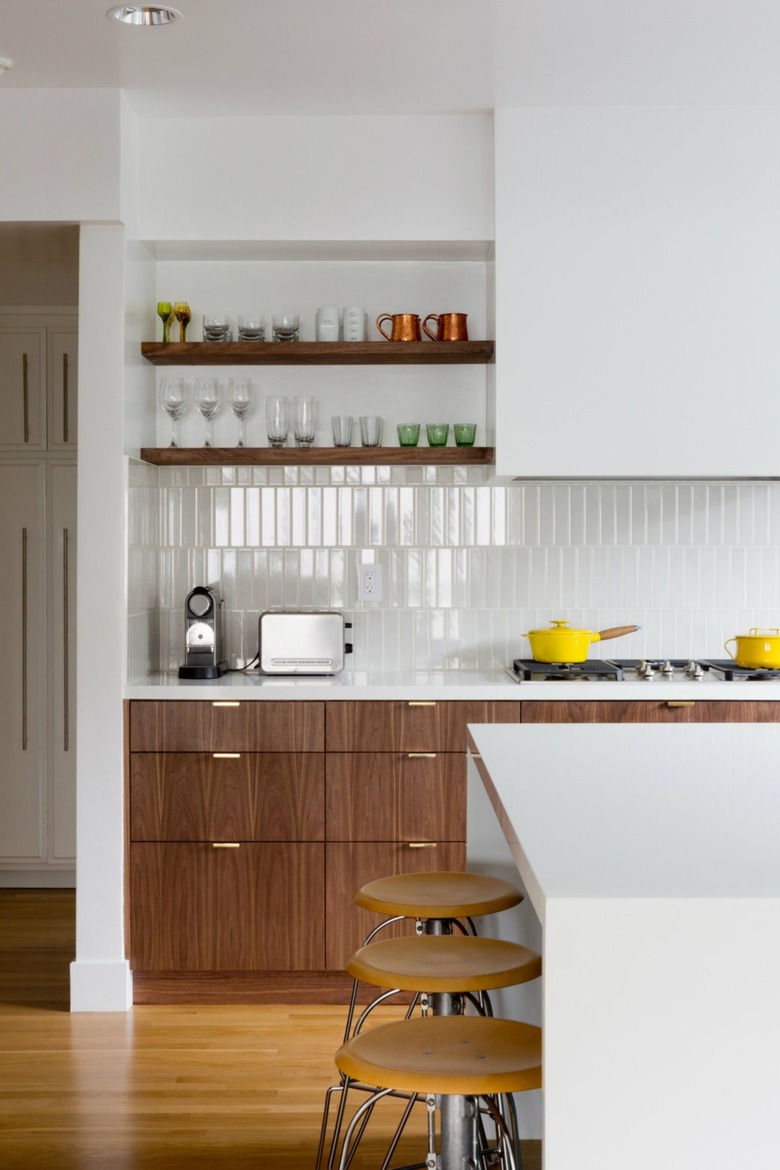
(400, 56)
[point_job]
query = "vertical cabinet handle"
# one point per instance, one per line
(65, 398)
(25, 398)
(65, 644)
(24, 639)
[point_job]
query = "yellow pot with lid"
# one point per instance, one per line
(562, 644)
(758, 650)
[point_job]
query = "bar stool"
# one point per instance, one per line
(445, 972)
(461, 1065)
(438, 900)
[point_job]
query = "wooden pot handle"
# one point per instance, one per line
(616, 632)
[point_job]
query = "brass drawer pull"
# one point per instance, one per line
(225, 844)
(681, 702)
(226, 703)
(423, 844)
(421, 755)
(226, 755)
(421, 703)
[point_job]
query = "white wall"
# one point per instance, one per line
(354, 178)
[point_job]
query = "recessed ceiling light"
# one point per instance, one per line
(5, 64)
(143, 14)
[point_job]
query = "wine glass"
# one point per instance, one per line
(208, 402)
(174, 402)
(181, 311)
(239, 393)
(165, 312)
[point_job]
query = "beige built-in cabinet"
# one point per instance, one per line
(38, 403)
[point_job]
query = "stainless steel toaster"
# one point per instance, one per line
(302, 641)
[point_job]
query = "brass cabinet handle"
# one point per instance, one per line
(65, 645)
(26, 396)
(681, 702)
(422, 844)
(226, 755)
(421, 755)
(421, 703)
(64, 397)
(225, 844)
(226, 703)
(24, 639)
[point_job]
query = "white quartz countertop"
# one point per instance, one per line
(637, 810)
(495, 684)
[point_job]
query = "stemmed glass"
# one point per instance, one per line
(181, 311)
(174, 402)
(165, 313)
(239, 393)
(208, 402)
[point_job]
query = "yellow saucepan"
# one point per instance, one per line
(560, 644)
(758, 650)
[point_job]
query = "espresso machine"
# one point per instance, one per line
(204, 651)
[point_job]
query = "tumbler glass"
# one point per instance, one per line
(303, 425)
(342, 430)
(408, 434)
(370, 430)
(465, 434)
(216, 327)
(251, 327)
(286, 327)
(277, 419)
(437, 433)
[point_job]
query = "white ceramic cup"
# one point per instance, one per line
(326, 324)
(354, 323)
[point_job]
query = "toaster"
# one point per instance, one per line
(302, 642)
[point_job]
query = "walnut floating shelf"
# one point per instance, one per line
(310, 456)
(317, 353)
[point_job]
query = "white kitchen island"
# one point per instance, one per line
(651, 856)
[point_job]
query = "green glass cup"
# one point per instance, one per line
(408, 434)
(465, 434)
(437, 433)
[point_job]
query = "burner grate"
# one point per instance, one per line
(529, 670)
(728, 670)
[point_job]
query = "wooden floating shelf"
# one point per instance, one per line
(317, 353)
(314, 456)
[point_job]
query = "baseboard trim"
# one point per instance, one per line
(241, 987)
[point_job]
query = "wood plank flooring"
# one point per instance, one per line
(157, 1088)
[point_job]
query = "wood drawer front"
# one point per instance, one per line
(408, 726)
(250, 726)
(255, 908)
(653, 711)
(350, 867)
(192, 796)
(396, 796)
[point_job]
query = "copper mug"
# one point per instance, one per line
(449, 327)
(405, 326)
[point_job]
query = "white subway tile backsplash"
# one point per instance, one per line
(469, 565)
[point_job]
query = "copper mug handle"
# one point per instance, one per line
(429, 332)
(384, 317)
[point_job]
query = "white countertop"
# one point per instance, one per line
(494, 684)
(651, 854)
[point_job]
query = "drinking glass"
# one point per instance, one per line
(437, 433)
(182, 313)
(465, 434)
(303, 425)
(239, 393)
(370, 430)
(165, 313)
(216, 327)
(251, 327)
(342, 430)
(277, 419)
(408, 434)
(285, 327)
(173, 400)
(208, 402)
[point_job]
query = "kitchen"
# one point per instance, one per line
(691, 558)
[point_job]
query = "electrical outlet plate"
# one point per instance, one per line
(369, 582)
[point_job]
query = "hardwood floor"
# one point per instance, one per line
(158, 1088)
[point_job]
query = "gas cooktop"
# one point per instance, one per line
(633, 669)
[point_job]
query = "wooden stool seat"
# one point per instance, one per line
(464, 1055)
(444, 963)
(438, 895)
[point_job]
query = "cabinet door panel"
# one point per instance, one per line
(396, 796)
(352, 865)
(22, 389)
(192, 796)
(409, 726)
(255, 908)
(253, 726)
(652, 711)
